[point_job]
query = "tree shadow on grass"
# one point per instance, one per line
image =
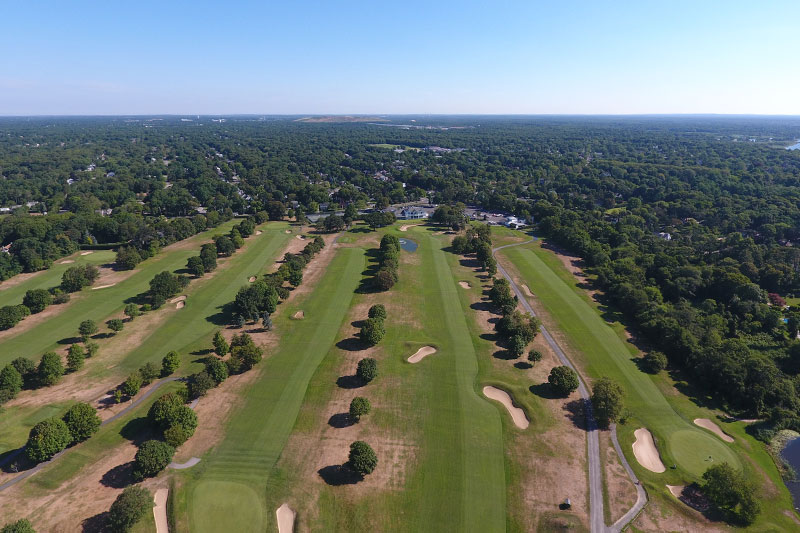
(351, 344)
(504, 355)
(119, 477)
(69, 340)
(361, 229)
(576, 412)
(545, 390)
(340, 420)
(223, 317)
(14, 461)
(96, 524)
(350, 382)
(336, 475)
(523, 365)
(137, 430)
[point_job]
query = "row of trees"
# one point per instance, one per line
(388, 263)
(52, 435)
(477, 240)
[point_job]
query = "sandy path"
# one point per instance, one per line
(420, 354)
(160, 511)
(517, 414)
(644, 448)
(465, 285)
(103, 286)
(86, 253)
(181, 466)
(705, 423)
(285, 516)
(299, 315)
(252, 279)
(404, 227)
(676, 490)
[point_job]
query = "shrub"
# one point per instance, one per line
(129, 507)
(654, 362)
(91, 348)
(163, 409)
(77, 277)
(75, 358)
(26, 369)
(176, 435)
(131, 311)
(195, 266)
(82, 421)
(385, 279)
(50, 369)
(149, 372)
(115, 325)
(516, 346)
(607, 398)
(10, 381)
(170, 363)
(200, 384)
(359, 407)
(534, 356)
(152, 457)
(372, 331)
(132, 385)
(217, 369)
(377, 311)
(563, 379)
(367, 369)
(127, 258)
(249, 355)
(20, 526)
(731, 492)
(362, 458)
(46, 439)
(220, 345)
(10, 315)
(37, 300)
(59, 296)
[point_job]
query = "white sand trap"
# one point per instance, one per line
(180, 305)
(420, 354)
(66, 261)
(177, 299)
(288, 231)
(465, 285)
(299, 315)
(404, 227)
(527, 290)
(517, 414)
(252, 279)
(188, 464)
(645, 451)
(87, 253)
(705, 423)
(160, 511)
(285, 516)
(258, 232)
(676, 490)
(103, 286)
(301, 237)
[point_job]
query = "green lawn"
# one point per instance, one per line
(51, 277)
(99, 304)
(257, 433)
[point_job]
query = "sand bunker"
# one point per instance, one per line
(645, 451)
(180, 305)
(420, 354)
(285, 516)
(527, 290)
(160, 511)
(288, 231)
(66, 261)
(517, 414)
(103, 286)
(178, 299)
(188, 464)
(252, 279)
(404, 228)
(301, 237)
(705, 423)
(258, 232)
(299, 315)
(87, 253)
(676, 490)
(464, 284)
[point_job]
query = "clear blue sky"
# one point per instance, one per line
(295, 56)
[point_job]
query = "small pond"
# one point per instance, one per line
(408, 245)
(791, 454)
(794, 146)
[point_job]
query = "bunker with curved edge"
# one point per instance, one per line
(517, 414)
(420, 354)
(706, 423)
(285, 516)
(645, 451)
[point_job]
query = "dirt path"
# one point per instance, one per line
(705, 423)
(517, 414)
(420, 354)
(183, 466)
(645, 451)
(160, 511)
(286, 517)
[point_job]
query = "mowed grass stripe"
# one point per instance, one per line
(97, 305)
(188, 328)
(606, 355)
(478, 457)
(257, 433)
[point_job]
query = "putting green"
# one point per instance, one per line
(212, 502)
(695, 451)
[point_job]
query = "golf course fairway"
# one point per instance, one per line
(678, 440)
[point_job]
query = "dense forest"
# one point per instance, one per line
(690, 224)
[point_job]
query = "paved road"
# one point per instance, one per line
(597, 521)
(28, 473)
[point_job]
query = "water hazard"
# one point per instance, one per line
(791, 454)
(408, 245)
